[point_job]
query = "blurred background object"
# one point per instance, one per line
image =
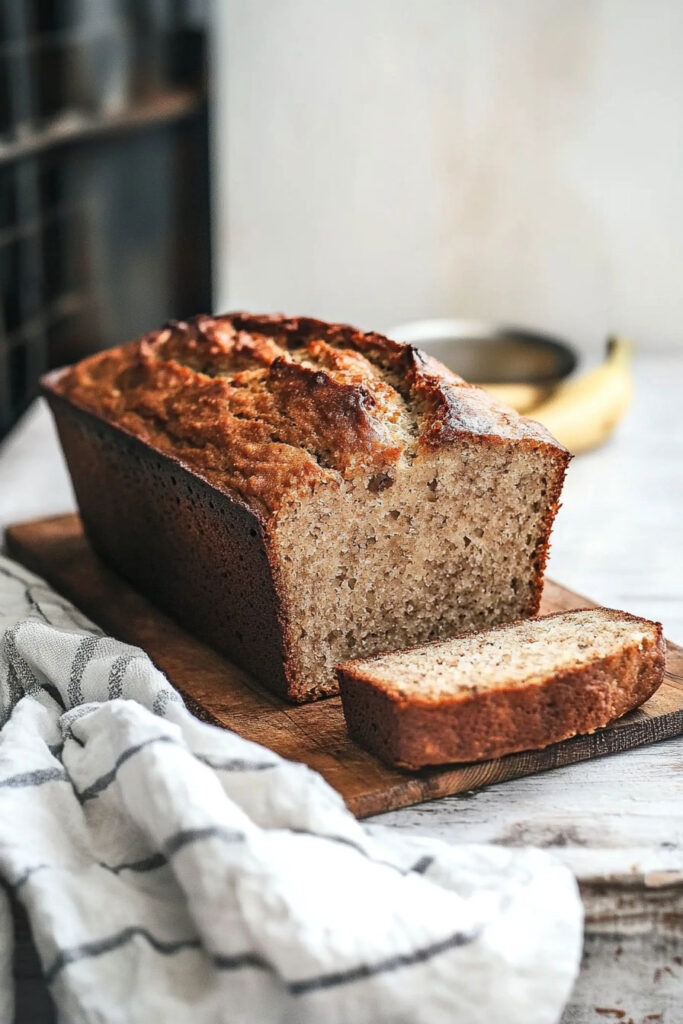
(518, 367)
(104, 185)
(584, 412)
(527, 371)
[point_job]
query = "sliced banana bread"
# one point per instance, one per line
(515, 687)
(299, 493)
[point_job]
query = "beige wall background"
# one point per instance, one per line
(518, 160)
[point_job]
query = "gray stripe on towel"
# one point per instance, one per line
(84, 653)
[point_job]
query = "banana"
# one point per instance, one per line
(583, 412)
(521, 397)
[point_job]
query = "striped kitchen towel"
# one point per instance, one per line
(172, 871)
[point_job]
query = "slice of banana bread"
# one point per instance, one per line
(517, 687)
(298, 493)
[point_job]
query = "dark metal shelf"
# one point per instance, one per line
(74, 128)
(104, 193)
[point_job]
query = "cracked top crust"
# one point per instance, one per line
(270, 407)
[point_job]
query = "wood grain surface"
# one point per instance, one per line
(217, 691)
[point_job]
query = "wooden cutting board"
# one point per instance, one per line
(219, 692)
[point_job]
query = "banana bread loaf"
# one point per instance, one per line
(298, 493)
(517, 687)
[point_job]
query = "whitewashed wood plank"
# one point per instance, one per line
(610, 817)
(628, 980)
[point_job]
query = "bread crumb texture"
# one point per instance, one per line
(518, 654)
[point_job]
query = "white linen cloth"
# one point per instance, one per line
(173, 871)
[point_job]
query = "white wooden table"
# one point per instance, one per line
(617, 822)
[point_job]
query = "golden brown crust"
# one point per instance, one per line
(413, 733)
(270, 407)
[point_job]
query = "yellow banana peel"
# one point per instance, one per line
(583, 413)
(522, 397)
